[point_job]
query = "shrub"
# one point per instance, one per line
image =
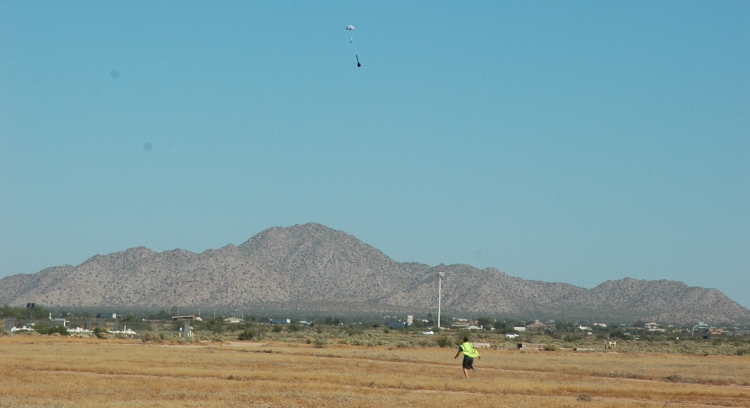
(353, 331)
(551, 347)
(573, 337)
(277, 328)
(149, 336)
(618, 334)
(321, 342)
(44, 329)
(215, 325)
(443, 341)
(248, 334)
(736, 340)
(100, 333)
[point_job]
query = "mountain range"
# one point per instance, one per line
(315, 267)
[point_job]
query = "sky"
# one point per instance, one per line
(562, 141)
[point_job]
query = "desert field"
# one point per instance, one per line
(45, 371)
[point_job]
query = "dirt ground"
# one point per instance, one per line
(43, 371)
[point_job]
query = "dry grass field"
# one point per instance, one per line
(44, 371)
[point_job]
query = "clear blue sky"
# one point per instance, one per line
(560, 141)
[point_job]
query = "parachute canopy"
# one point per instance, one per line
(351, 41)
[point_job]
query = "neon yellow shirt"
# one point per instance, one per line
(469, 350)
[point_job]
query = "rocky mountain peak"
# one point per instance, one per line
(322, 268)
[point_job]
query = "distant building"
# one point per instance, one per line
(232, 320)
(106, 315)
(654, 327)
(463, 323)
(397, 325)
(536, 326)
(279, 321)
(187, 317)
(56, 322)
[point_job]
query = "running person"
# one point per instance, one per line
(470, 353)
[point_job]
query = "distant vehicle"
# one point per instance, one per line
(428, 333)
(511, 335)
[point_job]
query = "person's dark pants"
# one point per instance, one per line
(468, 363)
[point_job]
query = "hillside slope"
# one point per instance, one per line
(317, 267)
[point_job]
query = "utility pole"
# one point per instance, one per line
(440, 283)
(31, 306)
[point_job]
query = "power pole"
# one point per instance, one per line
(440, 283)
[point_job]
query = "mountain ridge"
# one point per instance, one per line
(318, 267)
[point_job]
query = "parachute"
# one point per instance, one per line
(351, 41)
